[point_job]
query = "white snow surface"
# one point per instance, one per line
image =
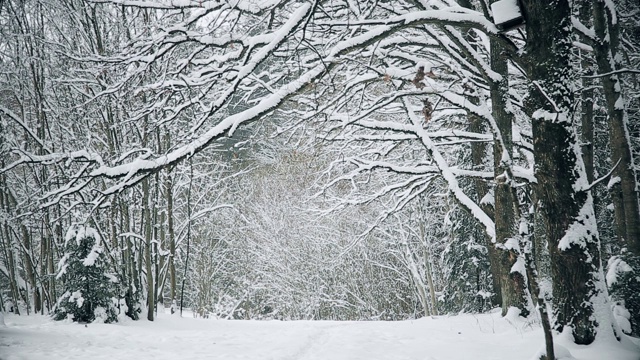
(505, 10)
(616, 266)
(466, 336)
(93, 255)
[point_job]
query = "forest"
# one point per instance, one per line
(322, 160)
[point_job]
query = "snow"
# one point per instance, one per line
(513, 314)
(614, 180)
(77, 297)
(78, 232)
(505, 10)
(589, 32)
(449, 176)
(622, 316)
(561, 353)
(465, 336)
(611, 6)
(93, 255)
(62, 266)
(616, 267)
(582, 230)
(488, 199)
(553, 117)
(519, 266)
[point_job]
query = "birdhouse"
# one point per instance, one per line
(507, 14)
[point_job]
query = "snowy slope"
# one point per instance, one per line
(461, 337)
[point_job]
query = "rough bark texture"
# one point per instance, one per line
(478, 152)
(565, 210)
(513, 283)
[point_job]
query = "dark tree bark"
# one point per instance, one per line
(623, 191)
(513, 283)
(563, 201)
(168, 188)
(172, 237)
(586, 103)
(478, 152)
(147, 249)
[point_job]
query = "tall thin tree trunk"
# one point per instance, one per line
(147, 249)
(168, 188)
(513, 280)
(427, 265)
(586, 105)
(13, 280)
(156, 247)
(129, 260)
(478, 153)
(623, 189)
(29, 266)
(172, 238)
(541, 303)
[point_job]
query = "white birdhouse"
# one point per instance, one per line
(507, 14)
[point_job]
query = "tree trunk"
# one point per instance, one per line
(541, 306)
(130, 268)
(623, 185)
(156, 246)
(623, 190)
(427, 269)
(586, 104)
(13, 279)
(29, 267)
(172, 239)
(563, 201)
(478, 152)
(513, 280)
(147, 249)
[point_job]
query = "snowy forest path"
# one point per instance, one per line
(172, 337)
(461, 337)
(314, 343)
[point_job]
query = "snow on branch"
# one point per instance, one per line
(449, 176)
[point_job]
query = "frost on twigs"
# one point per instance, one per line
(88, 288)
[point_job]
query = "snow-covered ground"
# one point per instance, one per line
(480, 337)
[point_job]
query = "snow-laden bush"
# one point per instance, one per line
(88, 287)
(623, 279)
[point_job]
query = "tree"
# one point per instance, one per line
(89, 288)
(562, 193)
(623, 185)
